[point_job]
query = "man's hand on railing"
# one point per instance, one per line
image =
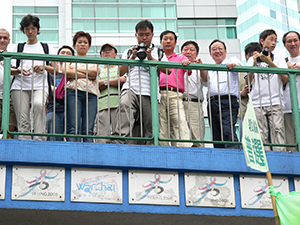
(185, 62)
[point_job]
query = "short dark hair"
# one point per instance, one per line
(27, 20)
(263, 35)
(190, 43)
(167, 32)
(286, 34)
(68, 47)
(251, 47)
(143, 25)
(214, 41)
(82, 34)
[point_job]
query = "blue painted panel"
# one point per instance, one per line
(126, 157)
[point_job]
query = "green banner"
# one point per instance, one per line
(252, 144)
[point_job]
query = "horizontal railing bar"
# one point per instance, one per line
(193, 66)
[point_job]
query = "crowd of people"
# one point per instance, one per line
(116, 100)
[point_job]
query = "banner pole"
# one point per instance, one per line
(270, 182)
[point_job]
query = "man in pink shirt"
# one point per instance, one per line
(171, 110)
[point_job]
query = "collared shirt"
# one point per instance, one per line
(140, 75)
(193, 86)
(172, 78)
(286, 92)
(223, 82)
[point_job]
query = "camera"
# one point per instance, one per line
(141, 51)
(265, 51)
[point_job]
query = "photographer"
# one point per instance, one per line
(267, 90)
(136, 90)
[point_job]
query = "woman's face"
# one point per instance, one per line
(82, 45)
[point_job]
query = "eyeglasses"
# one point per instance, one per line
(272, 40)
(32, 29)
(215, 49)
(108, 50)
(65, 53)
(4, 37)
(144, 35)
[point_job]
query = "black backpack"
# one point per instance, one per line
(45, 46)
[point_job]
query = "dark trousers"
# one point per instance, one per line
(226, 121)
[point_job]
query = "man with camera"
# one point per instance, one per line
(267, 90)
(135, 94)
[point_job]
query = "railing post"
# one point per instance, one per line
(6, 97)
(295, 107)
(154, 104)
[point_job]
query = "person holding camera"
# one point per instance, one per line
(135, 95)
(267, 90)
(171, 87)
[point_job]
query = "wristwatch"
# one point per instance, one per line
(105, 83)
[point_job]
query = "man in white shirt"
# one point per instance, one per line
(222, 101)
(135, 94)
(267, 91)
(291, 41)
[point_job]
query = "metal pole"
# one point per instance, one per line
(154, 104)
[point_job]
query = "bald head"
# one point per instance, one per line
(4, 39)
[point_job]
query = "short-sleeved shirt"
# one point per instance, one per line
(172, 78)
(138, 73)
(113, 91)
(260, 90)
(39, 79)
(83, 84)
(286, 92)
(223, 81)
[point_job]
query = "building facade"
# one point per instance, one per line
(257, 15)
(114, 21)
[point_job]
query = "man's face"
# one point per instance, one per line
(108, 52)
(31, 32)
(250, 54)
(190, 51)
(144, 36)
(292, 44)
(4, 40)
(168, 42)
(269, 42)
(65, 51)
(218, 52)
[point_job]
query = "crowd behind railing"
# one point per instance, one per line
(119, 103)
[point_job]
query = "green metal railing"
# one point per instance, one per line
(153, 65)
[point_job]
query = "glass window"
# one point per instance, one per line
(49, 21)
(82, 0)
(206, 22)
(49, 36)
(152, 1)
(170, 0)
(172, 25)
(16, 20)
(159, 25)
(83, 11)
(23, 9)
(86, 25)
(206, 33)
(272, 14)
(231, 32)
(127, 26)
(186, 33)
(130, 11)
(108, 1)
(186, 22)
(129, 1)
(153, 11)
(46, 10)
(104, 11)
(18, 36)
(107, 26)
(171, 11)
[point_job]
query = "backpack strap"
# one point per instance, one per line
(20, 48)
(46, 50)
(160, 53)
